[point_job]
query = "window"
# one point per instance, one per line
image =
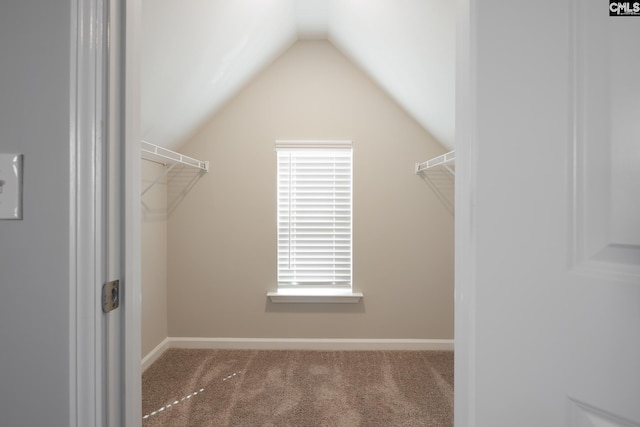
(314, 214)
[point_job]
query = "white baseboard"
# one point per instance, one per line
(310, 344)
(302, 344)
(294, 344)
(154, 354)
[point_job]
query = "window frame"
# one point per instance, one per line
(317, 293)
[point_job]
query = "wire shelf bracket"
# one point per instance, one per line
(169, 159)
(446, 161)
(440, 174)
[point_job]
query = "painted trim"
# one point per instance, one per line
(297, 344)
(132, 302)
(154, 354)
(86, 335)
(465, 215)
(315, 297)
(293, 344)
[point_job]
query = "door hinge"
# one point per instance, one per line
(111, 296)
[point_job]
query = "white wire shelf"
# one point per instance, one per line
(440, 174)
(167, 157)
(444, 160)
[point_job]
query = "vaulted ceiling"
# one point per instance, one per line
(197, 54)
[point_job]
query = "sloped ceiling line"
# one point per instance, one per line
(197, 54)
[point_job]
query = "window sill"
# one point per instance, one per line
(315, 296)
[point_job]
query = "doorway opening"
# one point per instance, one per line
(194, 147)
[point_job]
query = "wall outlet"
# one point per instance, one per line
(11, 186)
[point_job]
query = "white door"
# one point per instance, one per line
(548, 221)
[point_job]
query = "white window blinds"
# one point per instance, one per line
(314, 212)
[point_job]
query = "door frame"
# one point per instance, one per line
(465, 217)
(86, 99)
(132, 258)
(90, 25)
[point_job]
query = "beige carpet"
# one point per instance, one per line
(258, 388)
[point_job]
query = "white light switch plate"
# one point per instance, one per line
(10, 186)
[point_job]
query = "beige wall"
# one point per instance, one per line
(154, 258)
(222, 235)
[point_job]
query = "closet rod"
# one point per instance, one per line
(443, 160)
(156, 152)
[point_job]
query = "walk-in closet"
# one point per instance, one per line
(249, 109)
